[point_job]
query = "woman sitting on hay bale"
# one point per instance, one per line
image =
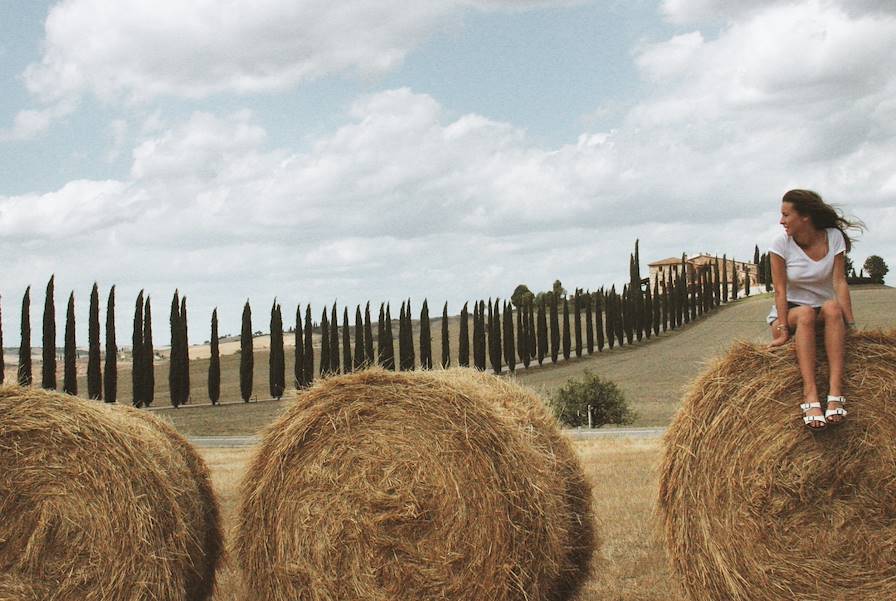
(809, 277)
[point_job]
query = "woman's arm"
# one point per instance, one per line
(841, 288)
(779, 281)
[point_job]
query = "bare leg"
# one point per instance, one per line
(803, 320)
(834, 341)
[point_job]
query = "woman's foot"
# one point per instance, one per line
(835, 412)
(813, 416)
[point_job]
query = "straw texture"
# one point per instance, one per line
(101, 502)
(417, 485)
(756, 507)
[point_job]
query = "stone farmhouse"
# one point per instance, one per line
(702, 263)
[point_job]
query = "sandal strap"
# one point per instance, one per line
(838, 411)
(808, 419)
(837, 399)
(807, 406)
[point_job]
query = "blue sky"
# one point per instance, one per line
(447, 149)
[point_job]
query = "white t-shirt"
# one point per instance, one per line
(808, 282)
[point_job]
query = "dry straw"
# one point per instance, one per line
(100, 503)
(417, 485)
(756, 507)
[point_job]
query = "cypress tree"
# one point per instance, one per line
(577, 322)
(308, 351)
(746, 281)
(334, 341)
(369, 358)
(756, 255)
(298, 371)
(588, 299)
(611, 317)
(324, 344)
(523, 334)
(137, 374)
(717, 283)
(463, 343)
(70, 377)
(214, 363)
(648, 313)
(390, 341)
(656, 306)
(567, 342)
(478, 355)
(48, 368)
(277, 356)
(425, 337)
(599, 320)
(532, 344)
(555, 328)
(495, 337)
(724, 278)
(110, 375)
(24, 369)
(446, 348)
(628, 314)
(768, 273)
(509, 345)
(693, 288)
(2, 360)
(409, 332)
(360, 353)
(735, 284)
(174, 363)
(381, 336)
(541, 340)
(664, 304)
(148, 356)
(619, 317)
(184, 352)
(402, 339)
(247, 356)
(347, 363)
(94, 377)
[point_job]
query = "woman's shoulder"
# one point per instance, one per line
(836, 239)
(779, 244)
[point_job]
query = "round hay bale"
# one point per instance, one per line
(404, 486)
(755, 506)
(102, 502)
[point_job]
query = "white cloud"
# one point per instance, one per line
(31, 123)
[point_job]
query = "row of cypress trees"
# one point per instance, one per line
(502, 334)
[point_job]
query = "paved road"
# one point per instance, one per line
(579, 434)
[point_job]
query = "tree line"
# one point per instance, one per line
(525, 329)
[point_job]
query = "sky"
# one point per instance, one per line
(377, 150)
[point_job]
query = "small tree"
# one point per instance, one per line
(567, 342)
(94, 377)
(148, 355)
(308, 351)
(347, 363)
(601, 400)
(214, 364)
(175, 379)
(390, 340)
(359, 358)
(110, 374)
(522, 334)
(876, 268)
(494, 337)
(48, 368)
(334, 341)
(555, 326)
(381, 336)
(446, 348)
(70, 377)
(577, 321)
(298, 369)
(137, 374)
(599, 319)
(24, 369)
(521, 295)
(588, 300)
(277, 355)
(425, 337)
(541, 341)
(247, 358)
(478, 336)
(324, 344)
(508, 344)
(369, 357)
(463, 343)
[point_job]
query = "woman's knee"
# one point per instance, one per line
(803, 317)
(831, 310)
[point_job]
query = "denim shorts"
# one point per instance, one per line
(774, 313)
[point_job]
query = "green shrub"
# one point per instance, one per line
(608, 405)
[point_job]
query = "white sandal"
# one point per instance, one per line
(838, 411)
(808, 419)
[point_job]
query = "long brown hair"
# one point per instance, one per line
(810, 204)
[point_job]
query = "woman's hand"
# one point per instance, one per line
(781, 337)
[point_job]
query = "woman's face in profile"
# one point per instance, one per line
(791, 220)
